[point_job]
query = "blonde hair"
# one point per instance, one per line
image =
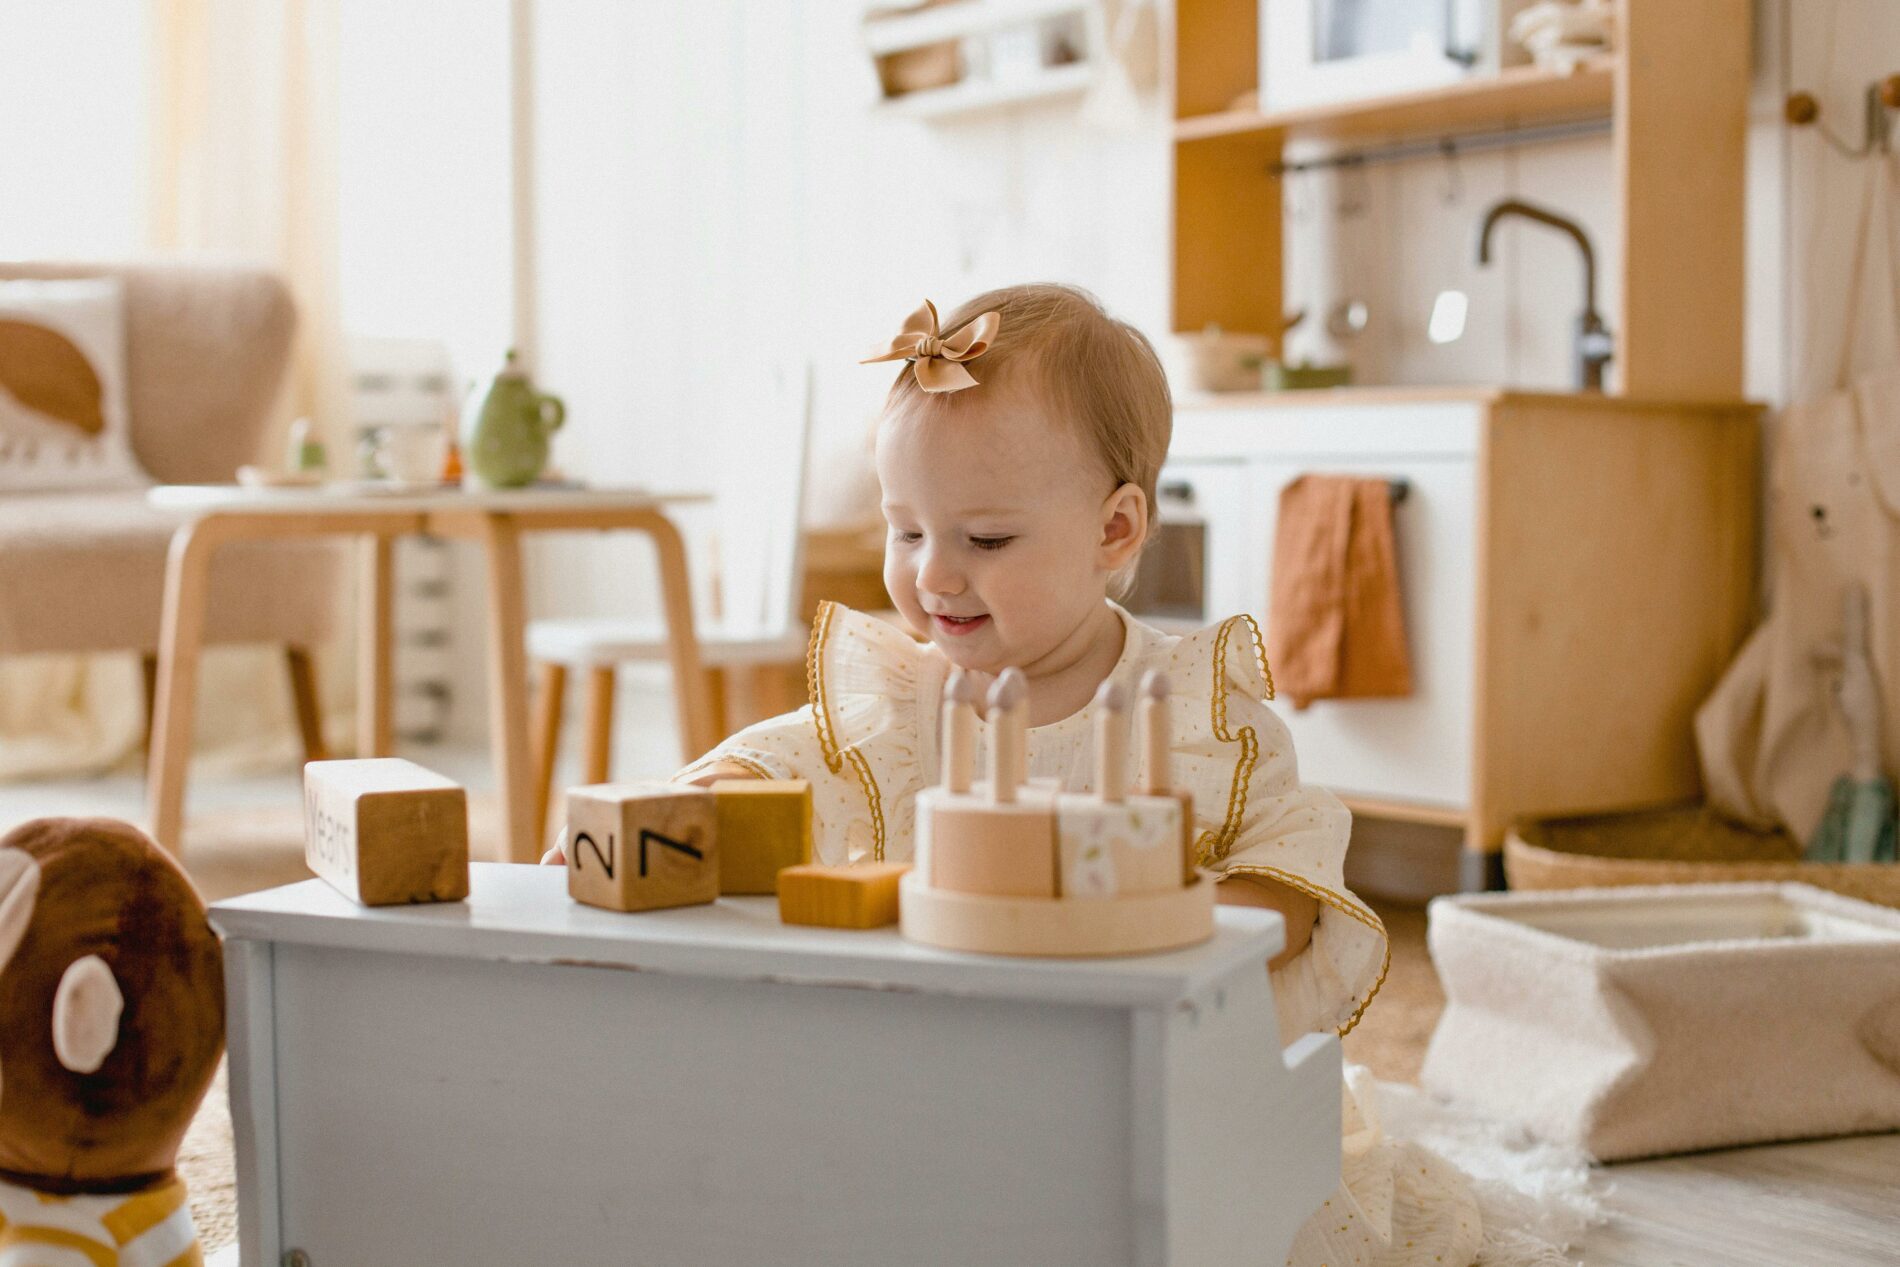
(1099, 375)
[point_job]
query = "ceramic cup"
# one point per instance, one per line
(410, 454)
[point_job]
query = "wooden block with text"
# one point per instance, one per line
(642, 846)
(861, 896)
(764, 827)
(385, 831)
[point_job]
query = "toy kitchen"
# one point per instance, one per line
(1575, 552)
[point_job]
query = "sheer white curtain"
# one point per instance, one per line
(179, 128)
(72, 85)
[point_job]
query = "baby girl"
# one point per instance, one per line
(1017, 456)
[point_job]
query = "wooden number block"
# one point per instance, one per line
(642, 846)
(977, 846)
(764, 827)
(1110, 849)
(862, 896)
(386, 831)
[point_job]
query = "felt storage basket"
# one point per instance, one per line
(1642, 1021)
(1688, 844)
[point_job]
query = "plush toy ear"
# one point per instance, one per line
(86, 1010)
(19, 886)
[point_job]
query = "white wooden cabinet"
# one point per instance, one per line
(521, 1079)
(1576, 571)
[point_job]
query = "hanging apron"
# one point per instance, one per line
(1771, 736)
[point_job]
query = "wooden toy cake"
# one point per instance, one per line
(1012, 867)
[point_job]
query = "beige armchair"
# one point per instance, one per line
(206, 351)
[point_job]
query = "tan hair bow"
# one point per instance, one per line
(935, 357)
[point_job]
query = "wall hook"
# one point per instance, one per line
(1454, 179)
(1883, 97)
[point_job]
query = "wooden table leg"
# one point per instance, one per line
(374, 652)
(597, 725)
(181, 632)
(508, 688)
(550, 689)
(698, 727)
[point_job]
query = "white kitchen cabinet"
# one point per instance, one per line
(1576, 569)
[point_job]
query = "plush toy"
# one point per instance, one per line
(111, 1026)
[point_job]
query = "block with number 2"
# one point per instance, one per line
(642, 846)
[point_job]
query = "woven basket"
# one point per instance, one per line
(1687, 844)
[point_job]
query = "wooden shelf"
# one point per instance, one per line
(1520, 97)
(960, 21)
(974, 95)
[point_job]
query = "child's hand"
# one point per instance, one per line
(557, 856)
(1298, 910)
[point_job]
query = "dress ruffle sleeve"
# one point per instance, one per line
(1253, 817)
(873, 687)
(860, 742)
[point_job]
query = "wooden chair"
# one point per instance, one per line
(749, 621)
(207, 347)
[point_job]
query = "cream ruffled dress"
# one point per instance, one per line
(868, 743)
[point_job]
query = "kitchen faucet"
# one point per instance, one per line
(1594, 345)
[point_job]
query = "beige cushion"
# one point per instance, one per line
(206, 348)
(62, 386)
(86, 572)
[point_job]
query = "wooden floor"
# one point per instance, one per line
(1829, 1203)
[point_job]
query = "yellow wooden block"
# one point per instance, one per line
(862, 896)
(764, 827)
(385, 831)
(642, 846)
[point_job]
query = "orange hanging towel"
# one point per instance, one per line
(1337, 626)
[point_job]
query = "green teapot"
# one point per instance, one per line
(506, 436)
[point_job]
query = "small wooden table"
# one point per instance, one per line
(538, 1081)
(222, 514)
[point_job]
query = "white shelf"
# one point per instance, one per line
(956, 21)
(973, 96)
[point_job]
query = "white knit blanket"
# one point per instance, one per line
(1536, 1199)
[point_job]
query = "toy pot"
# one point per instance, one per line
(507, 434)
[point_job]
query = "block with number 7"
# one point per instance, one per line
(642, 846)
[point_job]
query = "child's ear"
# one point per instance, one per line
(1124, 527)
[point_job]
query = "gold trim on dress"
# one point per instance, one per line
(836, 757)
(711, 759)
(1259, 650)
(748, 765)
(1214, 846)
(1339, 903)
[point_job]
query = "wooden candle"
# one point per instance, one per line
(959, 732)
(1155, 735)
(1111, 742)
(1009, 704)
(1158, 771)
